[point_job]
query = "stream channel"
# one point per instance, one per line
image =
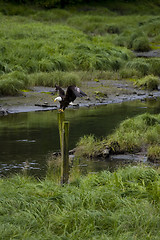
(31, 138)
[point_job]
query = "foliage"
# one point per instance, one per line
(129, 73)
(87, 38)
(119, 205)
(140, 65)
(141, 44)
(34, 47)
(88, 146)
(11, 83)
(154, 66)
(57, 77)
(132, 136)
(153, 153)
(149, 82)
(136, 134)
(152, 27)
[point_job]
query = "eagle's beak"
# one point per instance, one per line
(55, 100)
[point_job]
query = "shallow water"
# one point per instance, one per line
(27, 140)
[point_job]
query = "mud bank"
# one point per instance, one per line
(98, 93)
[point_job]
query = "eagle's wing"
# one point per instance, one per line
(61, 91)
(73, 92)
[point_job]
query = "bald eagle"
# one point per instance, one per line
(72, 93)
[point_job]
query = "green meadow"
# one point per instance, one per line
(63, 46)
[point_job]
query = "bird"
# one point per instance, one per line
(67, 98)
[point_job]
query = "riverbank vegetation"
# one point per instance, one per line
(138, 134)
(75, 42)
(119, 205)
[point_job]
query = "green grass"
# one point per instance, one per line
(154, 153)
(57, 77)
(12, 82)
(33, 47)
(89, 146)
(119, 205)
(149, 82)
(80, 39)
(136, 134)
(141, 133)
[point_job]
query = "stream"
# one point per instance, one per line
(29, 139)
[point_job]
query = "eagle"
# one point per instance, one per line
(67, 98)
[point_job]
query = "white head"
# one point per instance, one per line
(58, 99)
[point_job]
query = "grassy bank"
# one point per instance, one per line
(73, 42)
(120, 205)
(138, 134)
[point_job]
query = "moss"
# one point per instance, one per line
(100, 94)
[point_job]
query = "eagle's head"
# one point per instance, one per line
(58, 99)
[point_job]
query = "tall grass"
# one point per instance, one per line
(35, 47)
(140, 65)
(12, 82)
(119, 205)
(136, 133)
(44, 41)
(141, 133)
(56, 77)
(149, 82)
(89, 146)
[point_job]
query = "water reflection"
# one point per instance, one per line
(31, 137)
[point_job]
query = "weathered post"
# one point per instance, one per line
(65, 153)
(64, 145)
(61, 118)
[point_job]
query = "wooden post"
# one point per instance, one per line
(65, 152)
(61, 118)
(64, 145)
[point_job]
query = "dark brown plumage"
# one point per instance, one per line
(71, 94)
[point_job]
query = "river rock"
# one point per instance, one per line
(3, 112)
(105, 153)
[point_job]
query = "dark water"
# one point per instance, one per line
(30, 138)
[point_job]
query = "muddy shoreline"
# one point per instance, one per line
(98, 93)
